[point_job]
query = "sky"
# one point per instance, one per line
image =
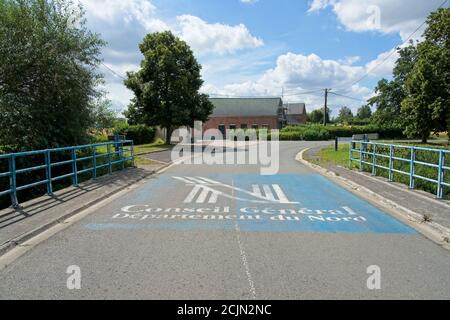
(289, 48)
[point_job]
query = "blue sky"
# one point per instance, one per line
(261, 47)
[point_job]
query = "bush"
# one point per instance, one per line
(317, 132)
(140, 134)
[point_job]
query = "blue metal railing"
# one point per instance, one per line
(371, 151)
(123, 152)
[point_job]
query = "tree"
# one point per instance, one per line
(427, 106)
(345, 115)
(365, 112)
(390, 94)
(48, 76)
(167, 86)
(104, 117)
(316, 116)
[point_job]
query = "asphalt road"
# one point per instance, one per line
(227, 232)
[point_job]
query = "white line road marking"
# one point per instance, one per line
(202, 197)
(268, 193)
(257, 190)
(244, 257)
(280, 194)
(192, 195)
(213, 198)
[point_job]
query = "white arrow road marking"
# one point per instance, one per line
(268, 193)
(205, 183)
(280, 194)
(192, 195)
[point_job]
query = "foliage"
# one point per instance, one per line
(427, 105)
(364, 113)
(316, 116)
(418, 98)
(327, 156)
(48, 77)
(317, 132)
(345, 115)
(140, 133)
(167, 86)
(103, 115)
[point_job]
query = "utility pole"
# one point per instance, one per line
(325, 109)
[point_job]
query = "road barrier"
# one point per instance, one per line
(393, 158)
(123, 152)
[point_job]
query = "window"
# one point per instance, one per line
(244, 126)
(265, 126)
(232, 127)
(222, 129)
(255, 126)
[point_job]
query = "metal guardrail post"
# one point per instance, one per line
(412, 170)
(374, 160)
(440, 190)
(12, 181)
(94, 163)
(74, 168)
(48, 172)
(132, 154)
(109, 159)
(122, 158)
(391, 163)
(350, 156)
(361, 156)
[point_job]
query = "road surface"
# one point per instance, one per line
(227, 232)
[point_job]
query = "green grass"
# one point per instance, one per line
(151, 147)
(328, 155)
(156, 146)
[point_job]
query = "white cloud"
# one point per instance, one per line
(142, 11)
(387, 16)
(383, 65)
(300, 73)
(215, 38)
(249, 1)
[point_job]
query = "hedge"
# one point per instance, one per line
(317, 132)
(140, 134)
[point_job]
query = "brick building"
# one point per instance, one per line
(295, 113)
(248, 113)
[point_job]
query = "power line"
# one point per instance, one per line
(348, 97)
(302, 93)
(113, 72)
(394, 50)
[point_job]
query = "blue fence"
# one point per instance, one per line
(96, 156)
(390, 157)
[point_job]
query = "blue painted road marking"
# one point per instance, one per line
(254, 203)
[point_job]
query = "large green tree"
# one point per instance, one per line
(345, 115)
(48, 77)
(167, 86)
(316, 116)
(364, 112)
(427, 105)
(390, 94)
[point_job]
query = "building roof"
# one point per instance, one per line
(246, 107)
(295, 108)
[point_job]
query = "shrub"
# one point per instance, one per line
(140, 134)
(317, 132)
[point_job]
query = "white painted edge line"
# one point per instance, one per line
(433, 231)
